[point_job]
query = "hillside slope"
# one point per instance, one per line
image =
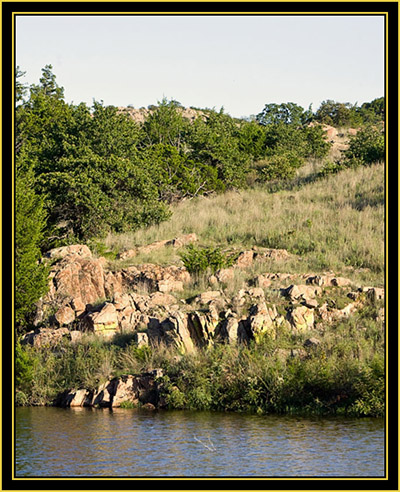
(336, 223)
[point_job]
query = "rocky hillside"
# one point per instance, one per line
(146, 300)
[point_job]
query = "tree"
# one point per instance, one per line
(374, 111)
(337, 114)
(176, 175)
(108, 132)
(30, 221)
(214, 141)
(252, 139)
(287, 113)
(48, 85)
(165, 125)
(20, 88)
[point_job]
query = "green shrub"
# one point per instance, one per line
(330, 167)
(198, 260)
(367, 147)
(280, 166)
(127, 404)
(24, 369)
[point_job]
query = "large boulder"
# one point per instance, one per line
(302, 319)
(297, 292)
(103, 321)
(65, 315)
(74, 249)
(78, 277)
(261, 321)
(202, 327)
(46, 337)
(74, 398)
(233, 330)
(174, 331)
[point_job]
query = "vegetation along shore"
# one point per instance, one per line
(172, 257)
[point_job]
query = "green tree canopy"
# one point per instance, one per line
(287, 113)
(30, 222)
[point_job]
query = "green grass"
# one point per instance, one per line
(336, 223)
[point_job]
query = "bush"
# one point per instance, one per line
(367, 147)
(24, 371)
(197, 260)
(330, 167)
(280, 166)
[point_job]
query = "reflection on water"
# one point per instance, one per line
(55, 442)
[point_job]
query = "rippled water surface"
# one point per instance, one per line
(83, 442)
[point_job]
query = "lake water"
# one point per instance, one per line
(84, 442)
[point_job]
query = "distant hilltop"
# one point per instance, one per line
(141, 114)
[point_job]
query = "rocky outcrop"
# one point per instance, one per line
(75, 249)
(140, 115)
(139, 390)
(246, 258)
(202, 327)
(50, 337)
(177, 242)
(140, 300)
(174, 331)
(77, 282)
(233, 331)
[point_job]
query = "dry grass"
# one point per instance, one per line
(332, 224)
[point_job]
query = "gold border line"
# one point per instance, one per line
(192, 13)
(364, 14)
(211, 1)
(2, 258)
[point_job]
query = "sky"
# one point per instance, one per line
(239, 63)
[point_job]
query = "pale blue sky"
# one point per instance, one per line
(239, 62)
